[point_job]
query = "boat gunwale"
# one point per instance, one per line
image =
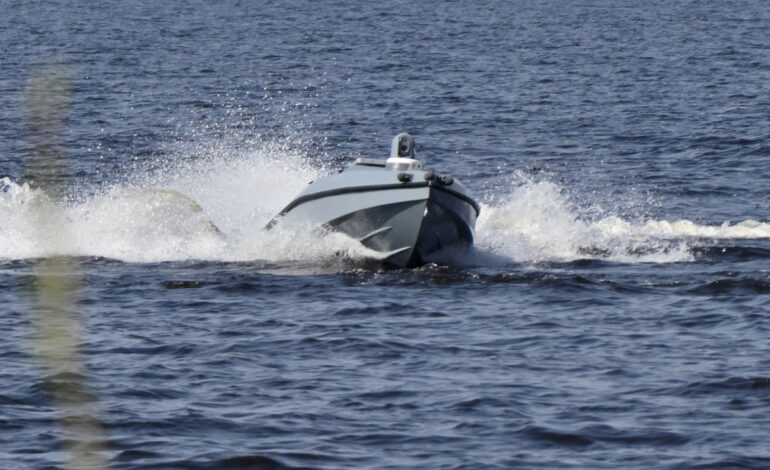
(378, 187)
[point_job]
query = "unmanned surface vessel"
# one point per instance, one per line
(394, 206)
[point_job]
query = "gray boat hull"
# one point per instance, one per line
(409, 219)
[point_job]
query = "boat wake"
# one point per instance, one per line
(537, 223)
(215, 209)
(211, 209)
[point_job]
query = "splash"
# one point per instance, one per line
(537, 223)
(214, 206)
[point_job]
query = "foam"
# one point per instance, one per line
(537, 223)
(212, 208)
(211, 202)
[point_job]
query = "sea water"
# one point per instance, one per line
(613, 312)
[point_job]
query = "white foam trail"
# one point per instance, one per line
(751, 229)
(212, 208)
(537, 223)
(216, 206)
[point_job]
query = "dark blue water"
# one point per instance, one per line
(613, 314)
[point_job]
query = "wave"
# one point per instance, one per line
(215, 208)
(537, 223)
(202, 209)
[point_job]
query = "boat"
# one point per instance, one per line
(410, 215)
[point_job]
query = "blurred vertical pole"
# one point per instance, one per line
(55, 315)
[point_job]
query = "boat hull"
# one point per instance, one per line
(409, 223)
(411, 233)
